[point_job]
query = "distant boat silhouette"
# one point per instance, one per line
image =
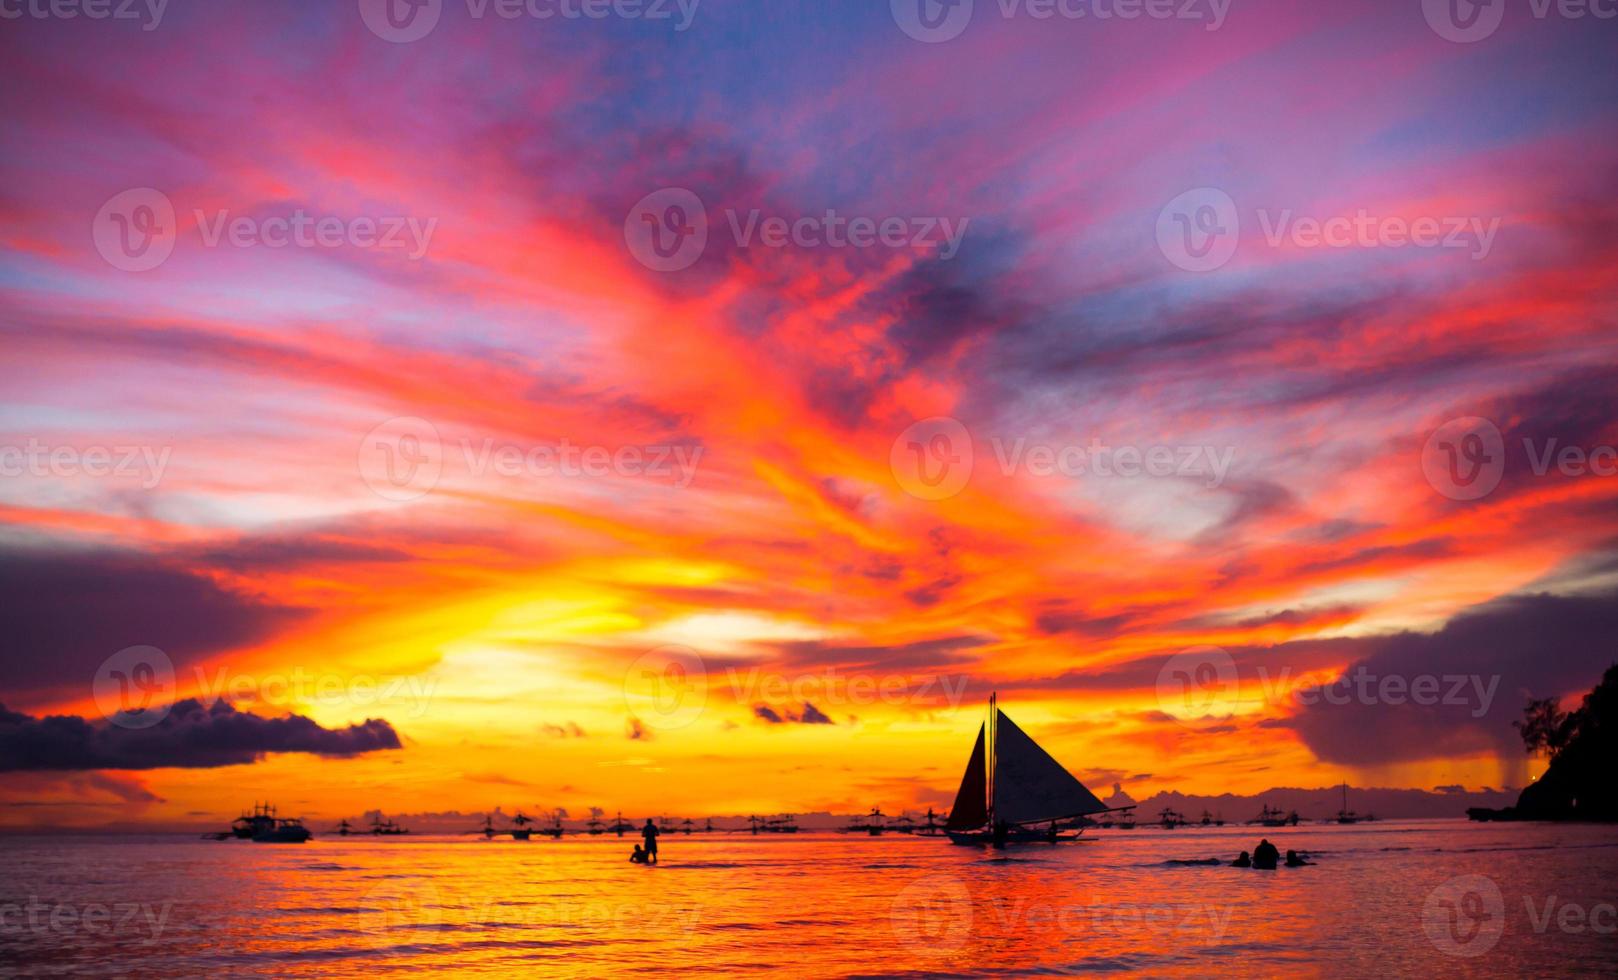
(783, 824)
(266, 827)
(620, 826)
(1171, 819)
(1345, 815)
(1209, 820)
(287, 830)
(933, 827)
(871, 823)
(488, 830)
(522, 831)
(385, 828)
(1011, 785)
(1270, 816)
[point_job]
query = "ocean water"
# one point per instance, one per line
(1435, 898)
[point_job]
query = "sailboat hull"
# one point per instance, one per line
(1016, 835)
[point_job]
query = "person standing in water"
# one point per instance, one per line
(649, 833)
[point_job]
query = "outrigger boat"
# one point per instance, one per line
(870, 824)
(265, 827)
(1014, 792)
(1270, 816)
(522, 831)
(784, 824)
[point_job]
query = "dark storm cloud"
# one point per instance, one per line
(191, 736)
(1506, 651)
(65, 612)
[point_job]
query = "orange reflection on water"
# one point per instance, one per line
(812, 905)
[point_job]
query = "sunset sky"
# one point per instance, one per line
(758, 523)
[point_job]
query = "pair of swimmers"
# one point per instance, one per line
(1265, 856)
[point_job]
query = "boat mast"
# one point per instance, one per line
(989, 759)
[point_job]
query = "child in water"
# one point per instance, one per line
(638, 857)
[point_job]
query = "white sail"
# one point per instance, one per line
(1029, 785)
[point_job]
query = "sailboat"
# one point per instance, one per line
(1011, 787)
(1345, 815)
